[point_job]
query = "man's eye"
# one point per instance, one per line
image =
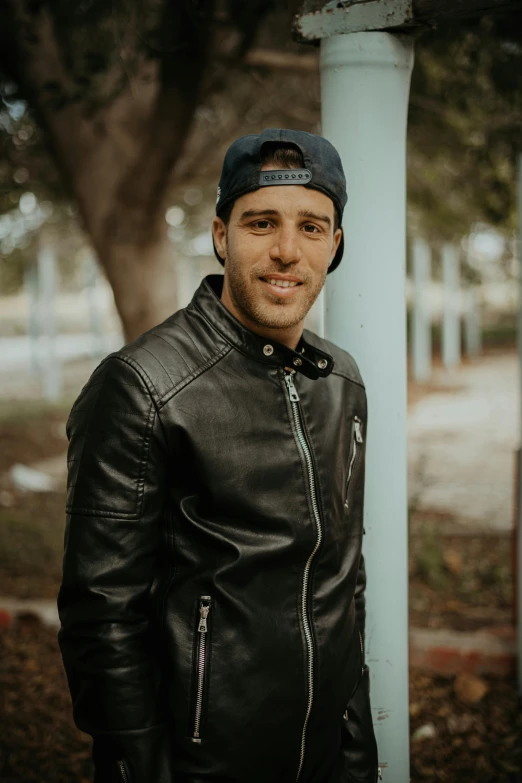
(311, 225)
(259, 222)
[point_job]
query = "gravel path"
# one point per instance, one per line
(463, 441)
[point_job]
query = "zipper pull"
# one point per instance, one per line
(204, 609)
(358, 432)
(379, 772)
(292, 391)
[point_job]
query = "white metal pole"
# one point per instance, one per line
(52, 371)
(451, 318)
(421, 315)
(365, 81)
(519, 531)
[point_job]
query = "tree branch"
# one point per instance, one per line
(142, 189)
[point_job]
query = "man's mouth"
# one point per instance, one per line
(281, 287)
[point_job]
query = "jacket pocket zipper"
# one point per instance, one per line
(201, 662)
(122, 771)
(357, 438)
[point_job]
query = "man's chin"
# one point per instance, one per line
(276, 317)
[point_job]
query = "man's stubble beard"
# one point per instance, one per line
(250, 306)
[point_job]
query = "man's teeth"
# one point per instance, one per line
(282, 283)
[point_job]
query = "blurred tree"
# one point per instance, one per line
(121, 107)
(465, 123)
(114, 88)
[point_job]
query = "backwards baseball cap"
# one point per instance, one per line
(323, 171)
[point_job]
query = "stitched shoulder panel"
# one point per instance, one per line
(109, 430)
(345, 363)
(172, 353)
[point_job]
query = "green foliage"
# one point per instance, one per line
(429, 560)
(465, 119)
(465, 113)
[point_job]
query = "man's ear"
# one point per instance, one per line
(336, 240)
(219, 233)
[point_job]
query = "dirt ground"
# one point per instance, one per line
(39, 741)
(462, 582)
(456, 581)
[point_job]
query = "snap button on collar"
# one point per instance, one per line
(297, 361)
(322, 363)
(268, 350)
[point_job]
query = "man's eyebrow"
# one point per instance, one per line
(258, 212)
(249, 213)
(314, 216)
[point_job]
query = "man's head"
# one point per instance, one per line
(263, 230)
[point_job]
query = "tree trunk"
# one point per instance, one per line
(143, 281)
(117, 162)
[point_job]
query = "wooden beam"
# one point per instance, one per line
(438, 10)
(324, 18)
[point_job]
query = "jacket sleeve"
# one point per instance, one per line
(112, 544)
(359, 760)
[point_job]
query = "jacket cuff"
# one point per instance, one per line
(359, 755)
(133, 756)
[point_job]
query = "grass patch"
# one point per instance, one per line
(23, 411)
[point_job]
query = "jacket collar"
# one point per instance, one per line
(306, 359)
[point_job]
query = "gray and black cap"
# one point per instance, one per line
(241, 172)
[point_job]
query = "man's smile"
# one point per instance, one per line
(284, 288)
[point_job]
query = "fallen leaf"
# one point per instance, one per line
(469, 688)
(453, 561)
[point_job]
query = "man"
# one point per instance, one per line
(213, 598)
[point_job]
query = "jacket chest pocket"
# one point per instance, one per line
(356, 450)
(200, 666)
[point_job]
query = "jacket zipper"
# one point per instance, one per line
(123, 773)
(201, 659)
(294, 402)
(357, 438)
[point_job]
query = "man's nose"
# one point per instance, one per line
(286, 247)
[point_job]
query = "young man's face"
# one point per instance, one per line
(276, 230)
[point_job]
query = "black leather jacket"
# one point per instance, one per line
(212, 604)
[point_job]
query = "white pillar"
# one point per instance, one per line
(451, 318)
(472, 324)
(365, 81)
(519, 530)
(51, 369)
(421, 311)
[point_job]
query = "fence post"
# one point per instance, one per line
(33, 316)
(92, 277)
(451, 318)
(472, 324)
(49, 360)
(519, 526)
(421, 311)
